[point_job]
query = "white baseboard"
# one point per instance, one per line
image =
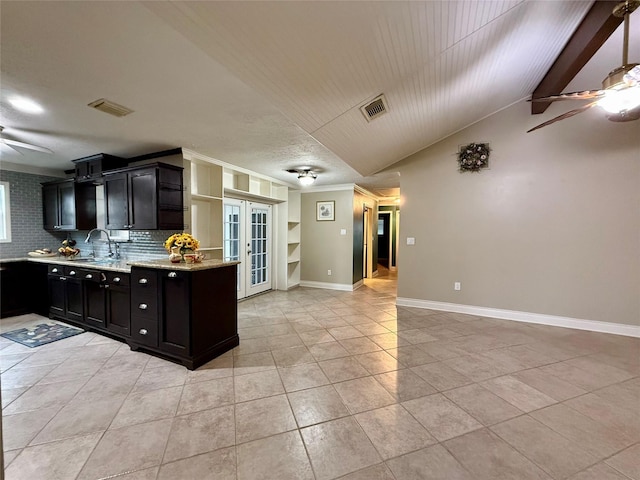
(345, 287)
(358, 284)
(540, 318)
(374, 274)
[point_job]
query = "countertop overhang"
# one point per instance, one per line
(125, 265)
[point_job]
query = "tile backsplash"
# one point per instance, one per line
(27, 233)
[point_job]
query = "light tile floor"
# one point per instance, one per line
(330, 385)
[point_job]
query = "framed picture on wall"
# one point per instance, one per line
(325, 211)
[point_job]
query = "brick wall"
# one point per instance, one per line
(27, 233)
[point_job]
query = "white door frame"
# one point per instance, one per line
(245, 253)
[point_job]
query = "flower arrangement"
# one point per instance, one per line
(181, 243)
(473, 157)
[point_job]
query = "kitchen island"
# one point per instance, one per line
(186, 313)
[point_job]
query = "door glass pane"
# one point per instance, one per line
(232, 235)
(259, 254)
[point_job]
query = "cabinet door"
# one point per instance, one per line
(74, 300)
(67, 205)
(119, 309)
(56, 295)
(50, 207)
(175, 319)
(143, 201)
(95, 304)
(116, 201)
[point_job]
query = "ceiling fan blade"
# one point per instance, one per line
(28, 146)
(584, 95)
(565, 115)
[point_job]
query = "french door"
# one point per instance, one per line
(247, 238)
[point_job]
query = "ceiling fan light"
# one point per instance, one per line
(617, 101)
(306, 178)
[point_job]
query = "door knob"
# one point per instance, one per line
(173, 274)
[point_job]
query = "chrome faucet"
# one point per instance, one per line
(108, 240)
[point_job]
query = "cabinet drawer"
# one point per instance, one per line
(145, 306)
(95, 276)
(55, 270)
(116, 278)
(144, 281)
(144, 331)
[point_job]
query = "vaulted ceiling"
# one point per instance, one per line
(272, 85)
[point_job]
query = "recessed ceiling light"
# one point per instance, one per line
(26, 105)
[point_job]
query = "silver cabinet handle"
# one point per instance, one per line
(143, 331)
(173, 274)
(143, 306)
(106, 286)
(63, 278)
(143, 281)
(55, 270)
(89, 276)
(116, 279)
(72, 273)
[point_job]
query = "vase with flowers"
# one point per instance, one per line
(180, 244)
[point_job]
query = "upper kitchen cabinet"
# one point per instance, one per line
(90, 169)
(144, 198)
(68, 206)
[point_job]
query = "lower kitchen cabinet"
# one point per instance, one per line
(118, 303)
(24, 288)
(66, 296)
(95, 304)
(189, 316)
(90, 298)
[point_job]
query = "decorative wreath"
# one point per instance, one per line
(473, 157)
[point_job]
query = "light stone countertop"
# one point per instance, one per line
(124, 265)
(165, 264)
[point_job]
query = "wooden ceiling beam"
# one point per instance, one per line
(596, 27)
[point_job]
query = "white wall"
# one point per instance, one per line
(552, 227)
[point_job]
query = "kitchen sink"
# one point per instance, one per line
(98, 261)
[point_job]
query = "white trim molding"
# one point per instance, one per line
(540, 318)
(345, 287)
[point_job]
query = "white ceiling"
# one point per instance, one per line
(272, 85)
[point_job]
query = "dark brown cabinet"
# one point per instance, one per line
(144, 198)
(90, 169)
(24, 288)
(66, 296)
(68, 206)
(189, 316)
(118, 295)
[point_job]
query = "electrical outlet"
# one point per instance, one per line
(411, 241)
(329, 272)
(456, 286)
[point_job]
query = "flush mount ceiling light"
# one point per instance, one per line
(306, 176)
(26, 105)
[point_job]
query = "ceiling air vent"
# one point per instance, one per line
(375, 108)
(110, 107)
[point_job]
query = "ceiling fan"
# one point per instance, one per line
(620, 94)
(14, 143)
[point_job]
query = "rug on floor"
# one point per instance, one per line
(41, 334)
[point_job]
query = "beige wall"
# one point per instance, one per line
(552, 227)
(322, 247)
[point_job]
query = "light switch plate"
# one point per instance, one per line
(411, 241)
(343, 231)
